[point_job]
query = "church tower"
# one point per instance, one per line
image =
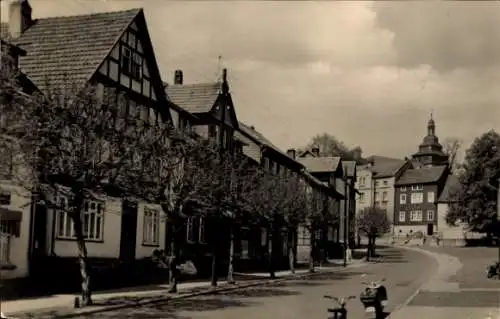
(430, 151)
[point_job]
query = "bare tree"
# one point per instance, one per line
(451, 146)
(76, 147)
(373, 222)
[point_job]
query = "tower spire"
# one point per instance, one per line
(431, 126)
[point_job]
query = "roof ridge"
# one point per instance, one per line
(90, 14)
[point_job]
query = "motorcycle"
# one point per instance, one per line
(374, 298)
(493, 270)
(340, 311)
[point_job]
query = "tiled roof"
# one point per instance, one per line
(194, 98)
(384, 166)
(421, 175)
(452, 183)
(251, 148)
(69, 49)
(349, 168)
(320, 164)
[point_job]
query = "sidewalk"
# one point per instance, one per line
(442, 298)
(141, 295)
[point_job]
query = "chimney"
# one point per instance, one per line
(19, 17)
(291, 153)
(179, 77)
(315, 151)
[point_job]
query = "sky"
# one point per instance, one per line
(369, 73)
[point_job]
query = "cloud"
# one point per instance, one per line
(367, 72)
(443, 34)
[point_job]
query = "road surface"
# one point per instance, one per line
(404, 271)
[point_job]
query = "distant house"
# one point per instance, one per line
(348, 205)
(417, 192)
(375, 182)
(329, 170)
(264, 153)
(112, 51)
(418, 189)
(454, 235)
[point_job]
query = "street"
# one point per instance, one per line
(459, 289)
(404, 271)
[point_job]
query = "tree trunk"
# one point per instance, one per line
(271, 252)
(213, 279)
(82, 255)
(374, 247)
(368, 249)
(311, 250)
(172, 267)
(230, 270)
(291, 250)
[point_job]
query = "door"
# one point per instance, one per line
(430, 229)
(40, 231)
(128, 231)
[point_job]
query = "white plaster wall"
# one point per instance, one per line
(389, 188)
(202, 130)
(365, 188)
(19, 246)
(405, 229)
(446, 231)
(146, 251)
(109, 247)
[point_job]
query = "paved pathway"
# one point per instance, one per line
(297, 298)
(449, 294)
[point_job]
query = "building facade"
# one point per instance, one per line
(113, 52)
(419, 188)
(376, 183)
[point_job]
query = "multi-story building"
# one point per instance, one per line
(112, 51)
(418, 188)
(375, 182)
(329, 170)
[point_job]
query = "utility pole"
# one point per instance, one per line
(346, 202)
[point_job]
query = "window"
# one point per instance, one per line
(402, 198)
(152, 117)
(132, 109)
(190, 231)
(376, 183)
(377, 196)
(131, 63)
(201, 230)
(430, 215)
(417, 198)
(416, 216)
(303, 237)
(212, 133)
(417, 187)
(92, 220)
(362, 181)
(430, 197)
(362, 197)
(4, 197)
(402, 216)
(144, 112)
(151, 231)
(385, 183)
(402, 188)
(384, 196)
(126, 59)
(136, 66)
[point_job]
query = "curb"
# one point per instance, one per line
(222, 288)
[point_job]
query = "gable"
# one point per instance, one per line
(225, 112)
(307, 154)
(131, 63)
